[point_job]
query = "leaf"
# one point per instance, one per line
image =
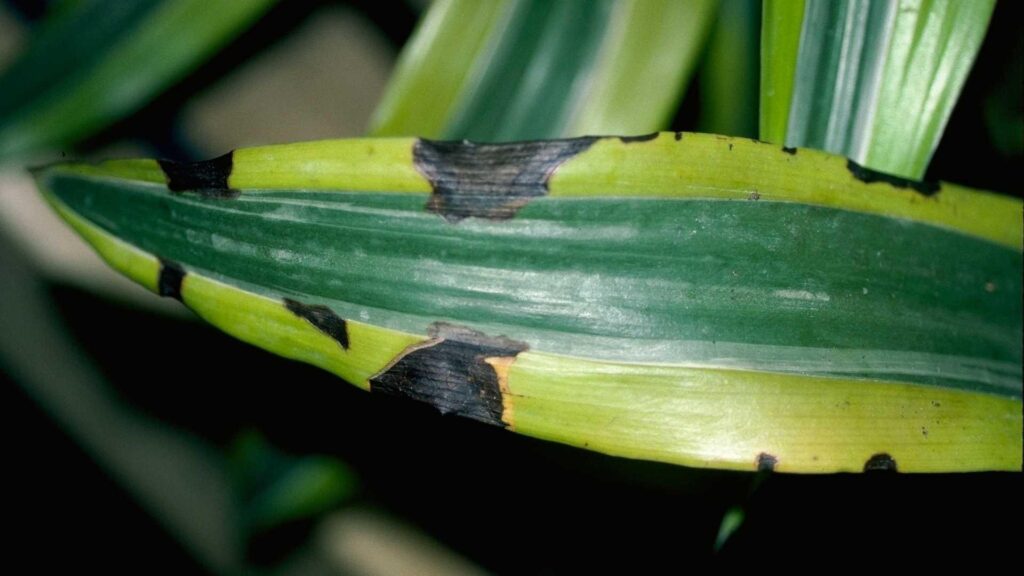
(530, 69)
(728, 76)
(689, 298)
(95, 62)
(874, 80)
(780, 44)
(277, 488)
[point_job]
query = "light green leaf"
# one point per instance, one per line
(874, 80)
(529, 69)
(98, 61)
(780, 44)
(436, 66)
(930, 52)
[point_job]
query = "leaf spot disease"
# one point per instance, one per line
(641, 138)
(766, 462)
(880, 462)
(491, 181)
(321, 317)
(170, 279)
(208, 178)
(456, 372)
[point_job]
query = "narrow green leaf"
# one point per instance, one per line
(525, 89)
(98, 61)
(875, 80)
(729, 75)
(696, 299)
(731, 522)
(531, 69)
(436, 66)
(841, 49)
(780, 43)
(277, 488)
(644, 67)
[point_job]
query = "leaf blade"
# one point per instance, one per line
(681, 343)
(543, 70)
(872, 78)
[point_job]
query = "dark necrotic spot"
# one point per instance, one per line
(789, 150)
(869, 176)
(451, 373)
(880, 463)
(323, 318)
(766, 462)
(169, 280)
(490, 181)
(641, 138)
(679, 136)
(207, 177)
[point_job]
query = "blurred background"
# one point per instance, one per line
(141, 439)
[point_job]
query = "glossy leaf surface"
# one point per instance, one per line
(689, 298)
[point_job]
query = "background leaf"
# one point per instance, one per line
(97, 61)
(544, 69)
(874, 80)
(729, 73)
(780, 43)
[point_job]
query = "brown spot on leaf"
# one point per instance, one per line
(170, 279)
(207, 178)
(880, 462)
(641, 138)
(766, 462)
(458, 371)
(491, 181)
(323, 318)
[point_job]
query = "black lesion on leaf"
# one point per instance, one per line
(766, 462)
(491, 181)
(169, 279)
(451, 373)
(881, 462)
(789, 150)
(869, 176)
(323, 318)
(207, 178)
(640, 138)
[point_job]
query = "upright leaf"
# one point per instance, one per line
(930, 53)
(780, 43)
(874, 80)
(729, 74)
(436, 66)
(529, 69)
